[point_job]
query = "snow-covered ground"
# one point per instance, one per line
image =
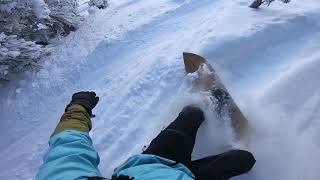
(131, 55)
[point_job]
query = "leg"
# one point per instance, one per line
(176, 142)
(223, 166)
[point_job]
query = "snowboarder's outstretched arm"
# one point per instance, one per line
(71, 154)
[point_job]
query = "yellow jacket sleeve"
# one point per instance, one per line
(75, 118)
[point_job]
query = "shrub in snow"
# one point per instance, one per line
(17, 54)
(64, 17)
(257, 3)
(38, 20)
(27, 25)
(101, 4)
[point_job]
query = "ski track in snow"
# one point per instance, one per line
(131, 55)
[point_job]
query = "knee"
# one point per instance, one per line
(245, 158)
(193, 111)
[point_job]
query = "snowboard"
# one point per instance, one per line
(207, 80)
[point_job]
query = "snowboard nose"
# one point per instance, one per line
(192, 62)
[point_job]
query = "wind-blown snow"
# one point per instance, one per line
(131, 55)
(40, 9)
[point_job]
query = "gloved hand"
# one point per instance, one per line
(86, 99)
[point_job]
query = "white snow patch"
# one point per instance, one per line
(40, 9)
(13, 54)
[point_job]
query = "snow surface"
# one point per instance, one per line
(131, 55)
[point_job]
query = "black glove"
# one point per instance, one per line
(86, 99)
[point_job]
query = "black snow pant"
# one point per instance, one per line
(176, 143)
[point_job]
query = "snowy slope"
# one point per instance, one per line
(131, 55)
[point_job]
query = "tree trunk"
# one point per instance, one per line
(256, 4)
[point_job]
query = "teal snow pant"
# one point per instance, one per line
(71, 154)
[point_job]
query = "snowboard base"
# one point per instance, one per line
(209, 81)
